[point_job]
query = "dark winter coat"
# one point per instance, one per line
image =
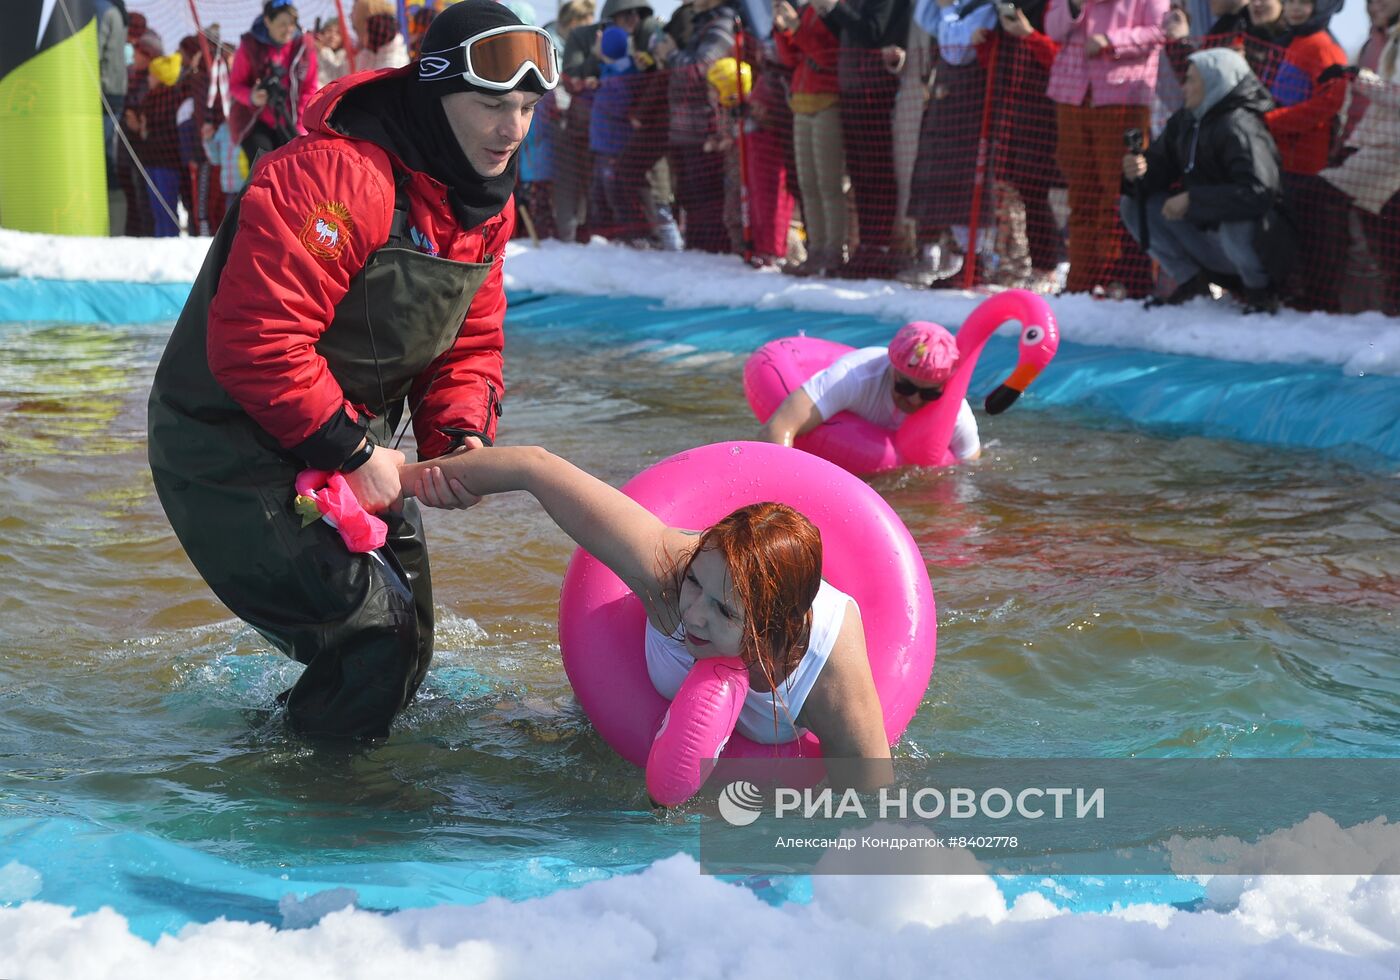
(1229, 164)
(862, 27)
(1228, 161)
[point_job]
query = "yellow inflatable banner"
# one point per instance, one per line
(52, 170)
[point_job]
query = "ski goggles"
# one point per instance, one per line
(495, 60)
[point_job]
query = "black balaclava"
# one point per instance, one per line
(408, 110)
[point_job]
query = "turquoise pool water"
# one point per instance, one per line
(1113, 579)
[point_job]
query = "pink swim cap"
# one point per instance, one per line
(925, 352)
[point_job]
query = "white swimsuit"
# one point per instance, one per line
(668, 663)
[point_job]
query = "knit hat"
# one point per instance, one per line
(614, 44)
(925, 352)
(453, 26)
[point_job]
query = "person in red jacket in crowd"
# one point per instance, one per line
(357, 279)
(1308, 84)
(1308, 104)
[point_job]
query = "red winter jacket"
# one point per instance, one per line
(1307, 108)
(275, 297)
(810, 51)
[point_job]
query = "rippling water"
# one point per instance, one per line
(1101, 592)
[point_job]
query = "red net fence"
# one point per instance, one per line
(983, 146)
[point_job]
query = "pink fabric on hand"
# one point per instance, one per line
(360, 530)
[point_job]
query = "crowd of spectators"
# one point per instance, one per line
(1088, 146)
(183, 127)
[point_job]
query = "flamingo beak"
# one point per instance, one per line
(1008, 391)
(1001, 399)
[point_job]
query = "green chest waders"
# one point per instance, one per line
(362, 624)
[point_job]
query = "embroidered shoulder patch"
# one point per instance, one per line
(327, 230)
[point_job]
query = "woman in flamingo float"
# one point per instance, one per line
(879, 408)
(746, 643)
(881, 385)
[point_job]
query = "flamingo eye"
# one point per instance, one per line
(1032, 335)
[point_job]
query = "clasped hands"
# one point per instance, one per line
(378, 486)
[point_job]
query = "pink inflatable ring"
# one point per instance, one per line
(867, 553)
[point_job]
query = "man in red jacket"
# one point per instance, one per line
(356, 279)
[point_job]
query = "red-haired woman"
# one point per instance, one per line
(749, 586)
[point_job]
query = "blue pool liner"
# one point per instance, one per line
(86, 301)
(1297, 406)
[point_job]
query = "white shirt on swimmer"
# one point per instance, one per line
(668, 663)
(863, 382)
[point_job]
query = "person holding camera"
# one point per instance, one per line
(356, 285)
(1204, 197)
(272, 79)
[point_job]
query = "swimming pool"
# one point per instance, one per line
(1113, 579)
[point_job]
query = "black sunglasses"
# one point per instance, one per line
(907, 388)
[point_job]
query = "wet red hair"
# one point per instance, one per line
(774, 558)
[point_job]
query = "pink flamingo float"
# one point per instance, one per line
(855, 444)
